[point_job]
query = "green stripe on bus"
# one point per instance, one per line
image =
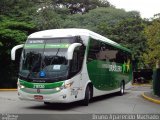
(41, 85)
(35, 46)
(57, 45)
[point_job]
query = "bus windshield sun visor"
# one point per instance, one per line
(71, 50)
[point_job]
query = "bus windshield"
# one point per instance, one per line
(45, 61)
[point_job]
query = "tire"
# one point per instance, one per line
(88, 96)
(122, 87)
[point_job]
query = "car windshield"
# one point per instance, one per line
(44, 60)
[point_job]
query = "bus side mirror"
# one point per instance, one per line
(71, 50)
(13, 51)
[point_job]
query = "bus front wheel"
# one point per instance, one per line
(88, 95)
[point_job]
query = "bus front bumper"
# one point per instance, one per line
(62, 96)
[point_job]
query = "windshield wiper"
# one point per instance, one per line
(55, 55)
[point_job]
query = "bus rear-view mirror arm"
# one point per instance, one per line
(71, 50)
(13, 51)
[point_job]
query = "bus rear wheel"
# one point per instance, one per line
(122, 87)
(88, 96)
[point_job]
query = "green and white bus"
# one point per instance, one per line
(67, 65)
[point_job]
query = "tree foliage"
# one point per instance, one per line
(81, 6)
(152, 33)
(15, 26)
(19, 18)
(12, 32)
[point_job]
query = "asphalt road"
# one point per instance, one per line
(130, 103)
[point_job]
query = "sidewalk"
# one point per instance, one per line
(151, 97)
(8, 89)
(144, 85)
(148, 94)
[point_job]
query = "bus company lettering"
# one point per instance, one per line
(39, 86)
(112, 67)
(36, 41)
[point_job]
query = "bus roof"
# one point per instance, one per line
(70, 32)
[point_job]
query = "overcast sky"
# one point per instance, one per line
(147, 8)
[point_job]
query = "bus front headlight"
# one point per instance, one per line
(20, 86)
(58, 88)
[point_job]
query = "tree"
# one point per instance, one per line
(12, 32)
(94, 18)
(16, 24)
(128, 31)
(47, 19)
(82, 6)
(152, 33)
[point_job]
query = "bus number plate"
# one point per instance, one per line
(38, 97)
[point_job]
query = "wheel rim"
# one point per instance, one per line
(122, 89)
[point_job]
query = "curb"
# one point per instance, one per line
(8, 89)
(151, 99)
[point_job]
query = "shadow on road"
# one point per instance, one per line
(68, 106)
(105, 97)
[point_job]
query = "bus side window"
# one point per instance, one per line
(94, 49)
(120, 57)
(110, 53)
(74, 62)
(123, 57)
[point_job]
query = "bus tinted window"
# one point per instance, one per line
(94, 48)
(102, 51)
